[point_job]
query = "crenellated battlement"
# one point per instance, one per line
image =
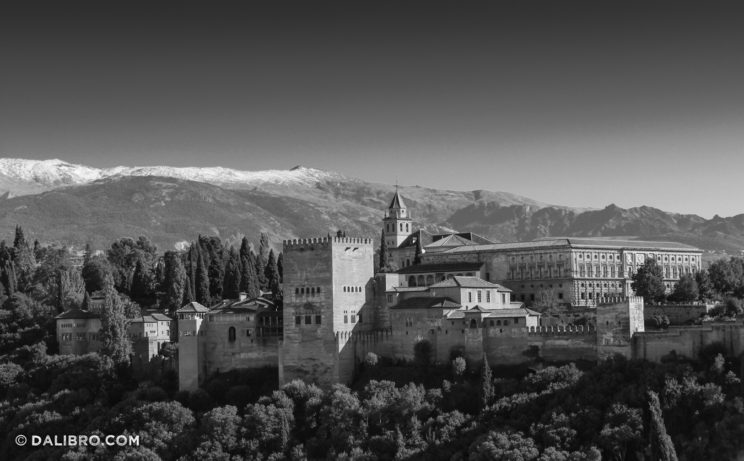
(562, 330)
(620, 300)
(371, 335)
(304, 243)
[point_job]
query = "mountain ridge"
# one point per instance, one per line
(76, 204)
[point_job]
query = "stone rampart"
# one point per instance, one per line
(677, 314)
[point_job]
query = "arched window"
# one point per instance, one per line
(412, 281)
(429, 279)
(401, 227)
(297, 291)
(420, 280)
(406, 227)
(408, 262)
(473, 323)
(231, 334)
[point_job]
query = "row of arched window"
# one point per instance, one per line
(391, 227)
(307, 290)
(348, 289)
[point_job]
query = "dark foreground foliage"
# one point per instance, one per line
(695, 410)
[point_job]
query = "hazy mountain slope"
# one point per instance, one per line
(84, 204)
(169, 210)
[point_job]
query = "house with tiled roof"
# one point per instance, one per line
(149, 332)
(79, 332)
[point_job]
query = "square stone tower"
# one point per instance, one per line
(190, 357)
(327, 285)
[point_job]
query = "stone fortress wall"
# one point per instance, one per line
(509, 345)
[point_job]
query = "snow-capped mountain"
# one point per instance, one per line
(24, 177)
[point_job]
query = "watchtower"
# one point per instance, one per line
(190, 359)
(327, 282)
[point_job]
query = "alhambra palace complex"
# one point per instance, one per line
(460, 292)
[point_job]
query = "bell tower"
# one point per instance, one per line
(397, 224)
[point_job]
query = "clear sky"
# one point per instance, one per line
(573, 103)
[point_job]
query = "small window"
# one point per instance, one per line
(346, 319)
(298, 320)
(308, 319)
(231, 334)
(317, 319)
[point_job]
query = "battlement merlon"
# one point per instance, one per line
(620, 300)
(304, 243)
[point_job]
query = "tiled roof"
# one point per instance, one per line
(241, 306)
(427, 303)
(77, 314)
(511, 312)
(467, 282)
(161, 317)
(407, 289)
(151, 318)
(443, 267)
(193, 307)
(397, 201)
(493, 313)
(452, 240)
(426, 238)
(572, 242)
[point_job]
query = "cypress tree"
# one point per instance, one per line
(248, 277)
(419, 250)
(141, 288)
(280, 266)
(487, 390)
(9, 278)
(216, 278)
(188, 294)
(174, 281)
(231, 285)
(20, 238)
(114, 341)
(191, 274)
(383, 253)
(661, 445)
(272, 274)
(202, 282)
(24, 260)
(261, 261)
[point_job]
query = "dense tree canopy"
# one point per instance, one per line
(648, 282)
